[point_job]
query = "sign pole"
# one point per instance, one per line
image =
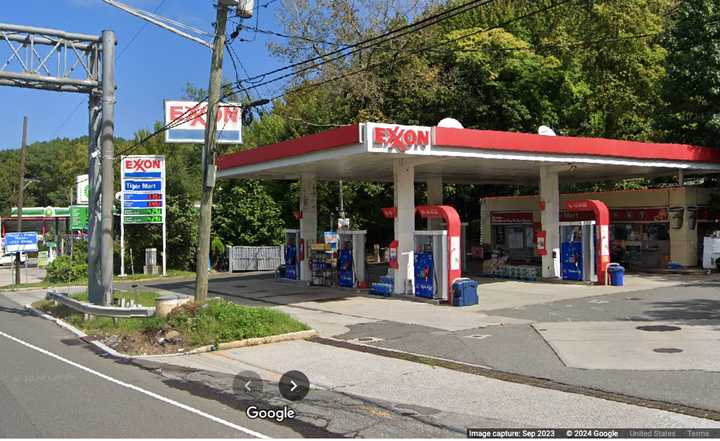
(21, 189)
(164, 223)
(122, 220)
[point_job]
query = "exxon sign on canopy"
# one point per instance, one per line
(396, 138)
(188, 121)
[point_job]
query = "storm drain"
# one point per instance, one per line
(633, 298)
(667, 350)
(658, 328)
(366, 340)
(477, 336)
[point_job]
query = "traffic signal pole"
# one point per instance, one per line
(208, 154)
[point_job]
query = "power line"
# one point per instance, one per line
(422, 49)
(384, 38)
(294, 37)
(360, 47)
(231, 53)
(138, 32)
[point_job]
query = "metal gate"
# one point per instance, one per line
(243, 258)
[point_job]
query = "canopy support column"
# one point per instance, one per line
(434, 197)
(308, 222)
(550, 219)
(404, 191)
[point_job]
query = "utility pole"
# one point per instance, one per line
(21, 189)
(107, 200)
(208, 154)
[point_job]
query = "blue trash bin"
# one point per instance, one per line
(617, 274)
(465, 292)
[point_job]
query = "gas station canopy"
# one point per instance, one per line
(362, 151)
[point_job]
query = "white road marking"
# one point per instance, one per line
(138, 389)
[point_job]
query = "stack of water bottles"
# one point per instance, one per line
(384, 287)
(516, 272)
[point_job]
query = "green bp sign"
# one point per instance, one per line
(79, 217)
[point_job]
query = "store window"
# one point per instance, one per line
(640, 245)
(515, 241)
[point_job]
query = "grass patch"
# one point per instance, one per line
(220, 321)
(170, 273)
(142, 298)
(191, 325)
(83, 281)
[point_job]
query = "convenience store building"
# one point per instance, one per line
(648, 228)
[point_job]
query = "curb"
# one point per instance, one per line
(300, 335)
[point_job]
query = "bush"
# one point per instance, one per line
(65, 269)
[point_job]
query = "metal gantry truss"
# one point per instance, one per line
(49, 59)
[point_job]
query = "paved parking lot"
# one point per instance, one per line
(546, 330)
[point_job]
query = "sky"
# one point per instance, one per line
(156, 66)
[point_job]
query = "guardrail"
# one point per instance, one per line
(97, 310)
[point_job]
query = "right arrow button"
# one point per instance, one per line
(294, 385)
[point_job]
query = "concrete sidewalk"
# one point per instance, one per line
(439, 395)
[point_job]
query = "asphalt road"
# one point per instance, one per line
(53, 385)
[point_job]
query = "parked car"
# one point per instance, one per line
(8, 259)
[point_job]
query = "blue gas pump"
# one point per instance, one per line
(577, 251)
(424, 274)
(346, 276)
(291, 268)
(571, 260)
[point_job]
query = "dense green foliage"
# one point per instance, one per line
(692, 87)
(628, 69)
(66, 269)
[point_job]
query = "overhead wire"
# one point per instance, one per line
(358, 47)
(415, 51)
(384, 37)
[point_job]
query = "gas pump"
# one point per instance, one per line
(431, 263)
(577, 251)
(294, 254)
(351, 258)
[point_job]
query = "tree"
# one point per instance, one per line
(692, 87)
(245, 214)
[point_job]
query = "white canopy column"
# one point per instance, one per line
(308, 221)
(404, 191)
(550, 219)
(434, 197)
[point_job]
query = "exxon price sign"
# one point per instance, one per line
(188, 120)
(143, 184)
